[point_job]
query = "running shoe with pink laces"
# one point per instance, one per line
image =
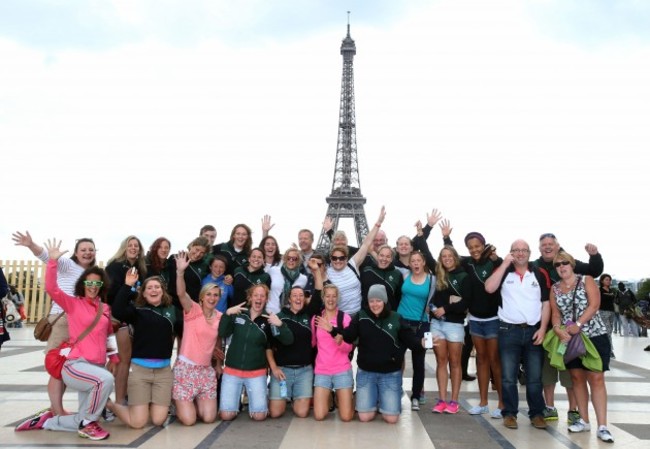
(452, 407)
(439, 407)
(35, 422)
(93, 431)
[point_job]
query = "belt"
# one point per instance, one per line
(295, 366)
(522, 325)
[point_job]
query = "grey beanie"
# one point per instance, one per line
(378, 291)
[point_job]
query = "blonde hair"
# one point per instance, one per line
(442, 275)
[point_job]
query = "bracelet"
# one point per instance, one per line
(556, 325)
(378, 225)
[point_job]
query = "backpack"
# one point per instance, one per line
(625, 301)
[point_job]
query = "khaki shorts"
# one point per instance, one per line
(550, 375)
(150, 385)
(59, 332)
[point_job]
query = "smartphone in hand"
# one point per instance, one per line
(428, 340)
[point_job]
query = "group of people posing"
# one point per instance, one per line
(262, 329)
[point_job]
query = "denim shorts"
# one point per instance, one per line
(334, 382)
(300, 383)
(486, 330)
(452, 332)
(383, 389)
(231, 389)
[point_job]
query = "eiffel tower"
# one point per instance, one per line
(346, 200)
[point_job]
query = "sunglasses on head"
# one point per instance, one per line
(93, 283)
(563, 262)
(338, 258)
(548, 235)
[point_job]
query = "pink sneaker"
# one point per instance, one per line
(439, 407)
(35, 422)
(93, 431)
(452, 407)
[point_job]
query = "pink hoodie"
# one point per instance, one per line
(331, 358)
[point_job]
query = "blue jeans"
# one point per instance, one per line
(515, 345)
(375, 388)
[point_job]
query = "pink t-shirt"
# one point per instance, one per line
(199, 335)
(332, 358)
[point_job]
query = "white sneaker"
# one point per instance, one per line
(580, 426)
(604, 435)
(496, 414)
(415, 404)
(479, 410)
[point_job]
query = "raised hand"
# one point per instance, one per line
(274, 320)
(182, 261)
(131, 276)
(382, 215)
(314, 264)
(591, 249)
(434, 217)
(418, 228)
(54, 248)
(266, 224)
(328, 223)
(21, 239)
(445, 228)
(236, 310)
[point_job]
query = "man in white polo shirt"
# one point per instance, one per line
(524, 315)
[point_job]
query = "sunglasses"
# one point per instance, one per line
(338, 258)
(93, 283)
(548, 235)
(292, 259)
(564, 262)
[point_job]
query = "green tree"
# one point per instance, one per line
(644, 289)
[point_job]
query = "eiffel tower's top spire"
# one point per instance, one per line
(348, 49)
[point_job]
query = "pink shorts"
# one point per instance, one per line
(193, 381)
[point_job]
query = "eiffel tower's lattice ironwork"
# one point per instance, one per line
(346, 200)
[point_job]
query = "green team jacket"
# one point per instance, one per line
(247, 350)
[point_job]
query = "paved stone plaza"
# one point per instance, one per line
(22, 392)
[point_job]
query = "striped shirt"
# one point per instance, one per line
(68, 273)
(349, 285)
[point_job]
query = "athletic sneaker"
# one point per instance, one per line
(604, 435)
(108, 415)
(452, 407)
(479, 410)
(439, 407)
(35, 422)
(496, 414)
(580, 426)
(415, 404)
(423, 398)
(573, 416)
(93, 431)
(550, 414)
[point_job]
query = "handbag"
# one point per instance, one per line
(56, 358)
(576, 346)
(43, 328)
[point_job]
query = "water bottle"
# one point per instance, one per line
(561, 348)
(433, 309)
(283, 389)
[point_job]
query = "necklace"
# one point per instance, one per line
(570, 284)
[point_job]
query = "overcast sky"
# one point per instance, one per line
(514, 118)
